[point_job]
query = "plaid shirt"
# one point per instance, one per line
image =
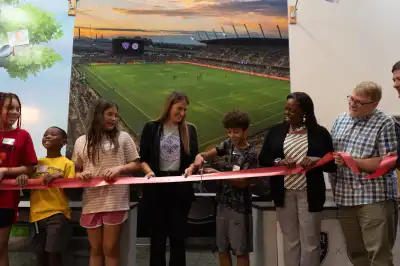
(372, 136)
(398, 142)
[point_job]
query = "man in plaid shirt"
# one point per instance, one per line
(367, 207)
(396, 85)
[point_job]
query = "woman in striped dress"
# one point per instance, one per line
(299, 198)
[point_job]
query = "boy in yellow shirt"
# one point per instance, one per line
(49, 208)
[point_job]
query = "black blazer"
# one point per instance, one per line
(150, 153)
(319, 143)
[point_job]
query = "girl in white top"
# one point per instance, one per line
(105, 152)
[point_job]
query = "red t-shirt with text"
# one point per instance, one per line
(16, 149)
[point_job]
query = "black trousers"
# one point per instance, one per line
(168, 216)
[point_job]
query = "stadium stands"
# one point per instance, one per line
(260, 55)
(267, 56)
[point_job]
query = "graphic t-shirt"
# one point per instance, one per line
(239, 199)
(170, 149)
(47, 202)
(16, 149)
(106, 198)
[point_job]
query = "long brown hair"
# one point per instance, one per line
(4, 96)
(173, 98)
(95, 130)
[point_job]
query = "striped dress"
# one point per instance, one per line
(107, 198)
(296, 147)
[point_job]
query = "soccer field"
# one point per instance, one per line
(140, 91)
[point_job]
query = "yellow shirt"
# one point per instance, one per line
(47, 202)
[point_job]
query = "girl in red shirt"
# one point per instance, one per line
(17, 157)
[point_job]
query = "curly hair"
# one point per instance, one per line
(236, 119)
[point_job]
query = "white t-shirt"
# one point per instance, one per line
(170, 149)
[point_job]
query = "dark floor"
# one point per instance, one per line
(194, 258)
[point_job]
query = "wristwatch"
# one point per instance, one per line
(277, 161)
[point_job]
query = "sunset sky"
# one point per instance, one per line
(180, 17)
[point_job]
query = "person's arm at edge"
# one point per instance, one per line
(20, 170)
(206, 155)
(368, 165)
(130, 167)
(77, 160)
(29, 162)
(131, 155)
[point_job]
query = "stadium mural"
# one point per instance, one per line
(35, 61)
(222, 54)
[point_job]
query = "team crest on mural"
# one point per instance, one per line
(324, 242)
(125, 45)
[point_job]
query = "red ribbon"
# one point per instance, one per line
(10, 184)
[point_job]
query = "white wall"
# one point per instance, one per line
(334, 46)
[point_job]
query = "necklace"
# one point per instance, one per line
(301, 128)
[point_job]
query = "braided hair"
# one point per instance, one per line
(8, 96)
(4, 98)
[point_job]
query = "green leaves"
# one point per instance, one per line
(42, 27)
(31, 60)
(11, 2)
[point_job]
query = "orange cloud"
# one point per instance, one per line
(150, 17)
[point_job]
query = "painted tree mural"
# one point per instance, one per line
(42, 28)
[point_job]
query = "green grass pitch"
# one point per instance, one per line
(140, 91)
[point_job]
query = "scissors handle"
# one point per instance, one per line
(201, 179)
(201, 174)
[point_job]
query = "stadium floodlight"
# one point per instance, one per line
(215, 34)
(248, 33)
(223, 32)
(279, 31)
(262, 31)
(207, 35)
(234, 28)
(198, 34)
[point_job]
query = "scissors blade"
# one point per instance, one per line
(201, 179)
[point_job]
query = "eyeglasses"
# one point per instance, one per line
(358, 103)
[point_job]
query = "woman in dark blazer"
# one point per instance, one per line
(167, 147)
(299, 198)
